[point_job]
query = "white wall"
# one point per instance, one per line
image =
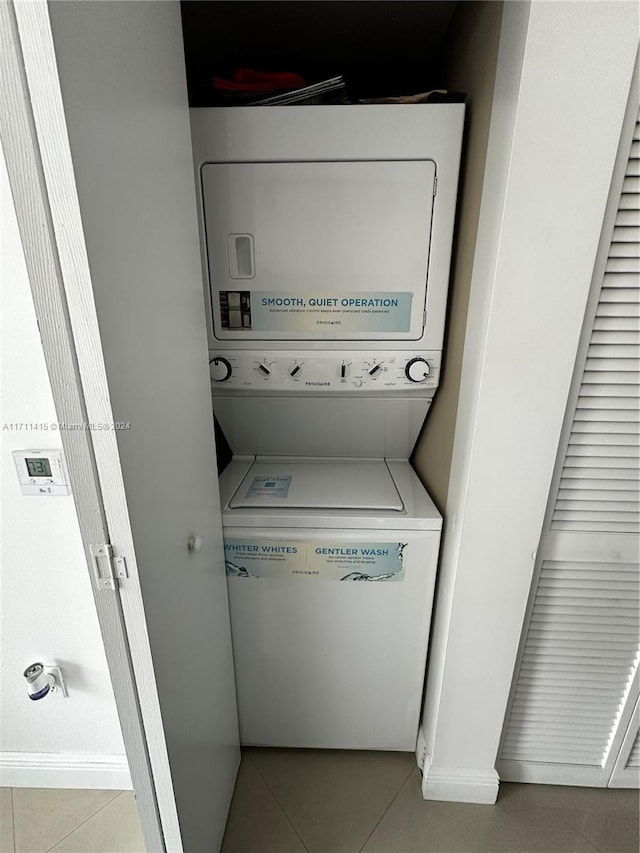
(47, 609)
(562, 83)
(471, 56)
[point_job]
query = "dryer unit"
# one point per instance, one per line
(326, 235)
(327, 230)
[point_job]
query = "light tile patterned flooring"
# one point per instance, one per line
(35, 820)
(309, 801)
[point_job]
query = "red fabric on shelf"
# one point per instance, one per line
(248, 80)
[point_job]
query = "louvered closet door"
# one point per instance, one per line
(576, 685)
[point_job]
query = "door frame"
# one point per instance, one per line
(623, 776)
(624, 736)
(38, 156)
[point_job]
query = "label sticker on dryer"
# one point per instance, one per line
(328, 314)
(270, 487)
(320, 559)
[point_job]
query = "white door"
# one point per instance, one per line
(577, 682)
(279, 233)
(126, 239)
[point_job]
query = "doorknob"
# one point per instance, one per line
(194, 544)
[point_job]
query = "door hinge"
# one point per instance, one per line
(435, 185)
(108, 569)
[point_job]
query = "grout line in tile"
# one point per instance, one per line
(578, 832)
(392, 801)
(75, 829)
(280, 806)
(557, 814)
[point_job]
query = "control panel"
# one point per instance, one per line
(42, 472)
(307, 372)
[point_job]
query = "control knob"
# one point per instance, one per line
(417, 370)
(220, 369)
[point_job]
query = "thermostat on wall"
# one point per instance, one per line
(42, 472)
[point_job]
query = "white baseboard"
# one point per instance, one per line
(552, 774)
(64, 770)
(459, 784)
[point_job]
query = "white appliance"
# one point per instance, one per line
(326, 655)
(326, 235)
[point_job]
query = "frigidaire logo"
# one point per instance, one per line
(317, 383)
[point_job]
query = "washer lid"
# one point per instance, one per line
(322, 483)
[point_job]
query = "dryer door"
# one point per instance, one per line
(318, 251)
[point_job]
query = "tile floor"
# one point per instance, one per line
(306, 801)
(69, 821)
(293, 801)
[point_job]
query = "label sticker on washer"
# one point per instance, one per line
(320, 559)
(270, 487)
(331, 315)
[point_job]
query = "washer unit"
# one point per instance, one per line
(326, 235)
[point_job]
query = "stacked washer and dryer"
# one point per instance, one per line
(326, 234)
